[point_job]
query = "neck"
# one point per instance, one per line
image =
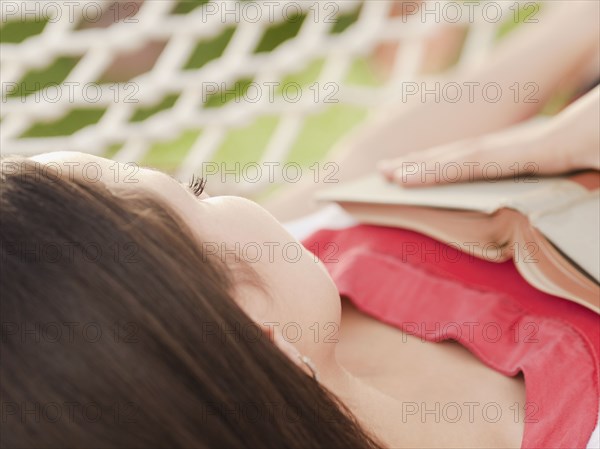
(370, 406)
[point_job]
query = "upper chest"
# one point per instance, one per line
(440, 388)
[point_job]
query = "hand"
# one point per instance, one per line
(566, 142)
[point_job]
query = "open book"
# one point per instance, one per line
(549, 226)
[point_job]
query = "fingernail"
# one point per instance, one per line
(386, 167)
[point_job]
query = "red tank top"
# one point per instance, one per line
(436, 292)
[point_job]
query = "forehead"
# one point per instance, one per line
(96, 169)
(117, 176)
(114, 175)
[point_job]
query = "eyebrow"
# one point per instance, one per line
(179, 183)
(171, 177)
(183, 184)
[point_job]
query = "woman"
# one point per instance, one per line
(123, 327)
(138, 312)
(119, 331)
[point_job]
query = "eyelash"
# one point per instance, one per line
(197, 185)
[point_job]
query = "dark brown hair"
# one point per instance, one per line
(118, 332)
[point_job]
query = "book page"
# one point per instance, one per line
(575, 230)
(485, 197)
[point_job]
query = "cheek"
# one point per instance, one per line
(300, 289)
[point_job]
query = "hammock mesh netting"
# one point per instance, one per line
(173, 82)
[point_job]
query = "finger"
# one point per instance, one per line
(389, 166)
(489, 159)
(436, 165)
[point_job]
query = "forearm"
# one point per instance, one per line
(528, 67)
